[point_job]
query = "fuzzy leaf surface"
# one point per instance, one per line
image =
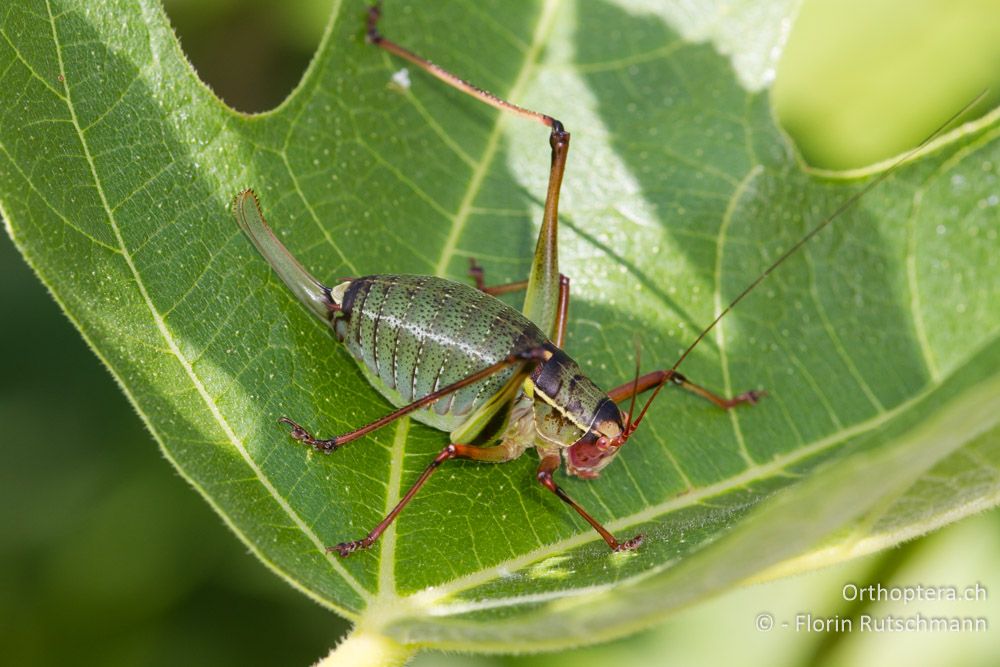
(878, 343)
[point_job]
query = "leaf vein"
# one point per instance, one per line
(172, 344)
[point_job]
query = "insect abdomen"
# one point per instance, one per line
(415, 334)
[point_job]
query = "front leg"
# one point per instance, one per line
(550, 463)
(531, 355)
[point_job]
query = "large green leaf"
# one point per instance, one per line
(878, 343)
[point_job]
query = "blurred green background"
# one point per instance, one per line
(85, 578)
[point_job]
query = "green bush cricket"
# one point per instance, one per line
(455, 357)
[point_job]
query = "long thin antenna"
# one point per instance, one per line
(635, 386)
(847, 203)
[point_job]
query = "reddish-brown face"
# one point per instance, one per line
(587, 456)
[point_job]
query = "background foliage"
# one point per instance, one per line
(75, 570)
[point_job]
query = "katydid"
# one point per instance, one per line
(455, 357)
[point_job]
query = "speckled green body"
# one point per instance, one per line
(414, 334)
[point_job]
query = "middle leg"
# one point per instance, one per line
(562, 306)
(477, 274)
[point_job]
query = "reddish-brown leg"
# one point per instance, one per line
(476, 273)
(657, 378)
(559, 143)
(376, 38)
(497, 454)
(331, 444)
(549, 465)
(539, 302)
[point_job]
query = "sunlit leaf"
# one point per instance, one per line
(877, 344)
